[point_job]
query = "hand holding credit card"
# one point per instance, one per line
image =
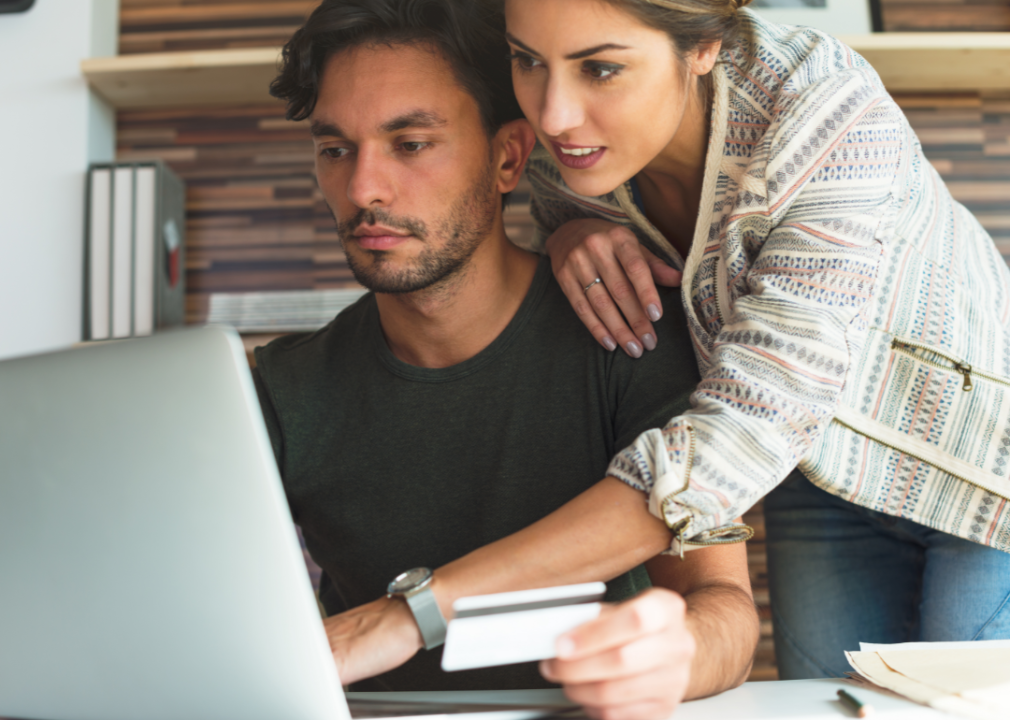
(515, 627)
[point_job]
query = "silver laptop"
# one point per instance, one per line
(149, 567)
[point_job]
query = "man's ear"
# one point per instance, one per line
(513, 145)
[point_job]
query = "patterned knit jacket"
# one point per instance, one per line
(848, 316)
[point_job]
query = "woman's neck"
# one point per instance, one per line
(671, 184)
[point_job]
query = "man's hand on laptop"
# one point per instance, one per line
(632, 663)
(372, 639)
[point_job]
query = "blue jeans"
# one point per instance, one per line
(840, 574)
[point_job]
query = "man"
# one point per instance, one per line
(459, 418)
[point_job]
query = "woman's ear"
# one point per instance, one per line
(513, 145)
(703, 58)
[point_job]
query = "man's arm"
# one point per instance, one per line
(692, 636)
(721, 614)
(600, 534)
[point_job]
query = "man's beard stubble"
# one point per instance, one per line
(468, 222)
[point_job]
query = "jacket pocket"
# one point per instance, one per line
(960, 434)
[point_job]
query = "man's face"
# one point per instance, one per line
(405, 165)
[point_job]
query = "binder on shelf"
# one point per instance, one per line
(134, 250)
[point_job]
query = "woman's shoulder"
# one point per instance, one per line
(773, 67)
(792, 95)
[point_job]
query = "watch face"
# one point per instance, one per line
(409, 580)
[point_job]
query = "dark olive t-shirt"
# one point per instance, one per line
(388, 466)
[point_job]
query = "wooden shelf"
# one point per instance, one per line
(201, 78)
(906, 62)
(937, 61)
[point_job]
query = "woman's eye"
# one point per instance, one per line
(525, 62)
(602, 71)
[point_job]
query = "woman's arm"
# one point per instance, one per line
(782, 295)
(782, 319)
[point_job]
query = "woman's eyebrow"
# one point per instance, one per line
(573, 56)
(515, 41)
(593, 50)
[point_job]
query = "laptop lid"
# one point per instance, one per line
(150, 568)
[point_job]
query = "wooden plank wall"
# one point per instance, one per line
(255, 219)
(164, 25)
(946, 15)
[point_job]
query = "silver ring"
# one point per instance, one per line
(586, 288)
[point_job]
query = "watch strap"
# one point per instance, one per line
(428, 616)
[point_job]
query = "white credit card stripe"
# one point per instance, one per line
(527, 597)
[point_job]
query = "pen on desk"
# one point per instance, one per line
(861, 709)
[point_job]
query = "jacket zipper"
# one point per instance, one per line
(680, 527)
(907, 347)
(717, 282)
(947, 363)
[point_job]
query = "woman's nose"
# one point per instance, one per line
(562, 110)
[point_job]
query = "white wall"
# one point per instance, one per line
(51, 127)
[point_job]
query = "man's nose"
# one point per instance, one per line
(562, 109)
(371, 182)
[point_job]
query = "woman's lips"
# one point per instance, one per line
(381, 242)
(577, 157)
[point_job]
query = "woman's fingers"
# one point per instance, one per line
(592, 301)
(662, 274)
(578, 297)
(615, 301)
(634, 289)
(619, 310)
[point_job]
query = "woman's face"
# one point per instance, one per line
(605, 93)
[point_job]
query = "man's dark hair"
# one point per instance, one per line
(470, 34)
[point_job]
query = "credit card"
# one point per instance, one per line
(515, 627)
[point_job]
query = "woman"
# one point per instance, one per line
(848, 316)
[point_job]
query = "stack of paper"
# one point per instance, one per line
(971, 679)
(280, 311)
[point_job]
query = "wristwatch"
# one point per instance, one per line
(414, 586)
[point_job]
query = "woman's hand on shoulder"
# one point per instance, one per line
(632, 663)
(619, 309)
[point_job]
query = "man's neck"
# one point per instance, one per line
(445, 325)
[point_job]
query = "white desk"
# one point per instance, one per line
(806, 699)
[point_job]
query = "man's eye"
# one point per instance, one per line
(602, 71)
(413, 147)
(333, 153)
(525, 62)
